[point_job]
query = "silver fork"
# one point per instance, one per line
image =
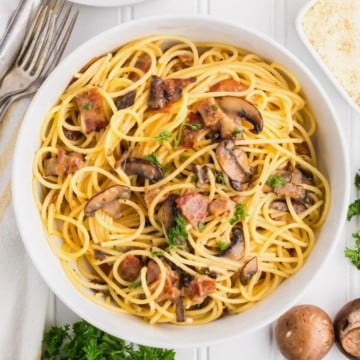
(40, 53)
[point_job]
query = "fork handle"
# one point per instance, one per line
(8, 100)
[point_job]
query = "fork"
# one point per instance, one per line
(40, 53)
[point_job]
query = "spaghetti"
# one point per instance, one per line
(178, 180)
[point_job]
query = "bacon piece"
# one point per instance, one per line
(63, 164)
(164, 91)
(194, 207)
(302, 148)
(199, 288)
(186, 60)
(91, 110)
(130, 267)
(228, 85)
(221, 206)
(189, 136)
(171, 287)
(143, 63)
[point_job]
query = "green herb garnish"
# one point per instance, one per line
(275, 181)
(214, 107)
(164, 135)
(178, 234)
(87, 106)
(239, 214)
(357, 180)
(135, 285)
(354, 254)
(84, 341)
(194, 127)
(201, 226)
(222, 245)
(156, 253)
(152, 158)
(353, 209)
(220, 179)
(236, 132)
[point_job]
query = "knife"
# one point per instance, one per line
(11, 41)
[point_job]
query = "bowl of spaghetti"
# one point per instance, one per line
(174, 180)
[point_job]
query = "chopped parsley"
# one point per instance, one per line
(353, 209)
(87, 106)
(152, 158)
(354, 254)
(220, 179)
(357, 180)
(214, 107)
(194, 127)
(84, 341)
(178, 234)
(156, 253)
(239, 214)
(222, 245)
(164, 135)
(276, 181)
(135, 284)
(194, 179)
(236, 132)
(201, 226)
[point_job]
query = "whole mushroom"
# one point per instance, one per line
(347, 329)
(305, 332)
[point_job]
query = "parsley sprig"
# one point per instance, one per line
(178, 234)
(84, 341)
(239, 214)
(152, 158)
(275, 181)
(354, 254)
(164, 135)
(353, 209)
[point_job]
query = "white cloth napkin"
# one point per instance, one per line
(23, 294)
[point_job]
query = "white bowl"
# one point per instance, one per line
(317, 57)
(330, 151)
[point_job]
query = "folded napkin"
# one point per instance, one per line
(23, 300)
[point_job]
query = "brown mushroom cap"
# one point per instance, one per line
(243, 109)
(248, 270)
(143, 168)
(168, 213)
(236, 250)
(304, 332)
(107, 197)
(347, 329)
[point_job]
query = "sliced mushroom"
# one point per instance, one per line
(280, 205)
(296, 192)
(180, 309)
(168, 213)
(126, 100)
(106, 199)
(248, 270)
(236, 250)
(143, 168)
(243, 109)
(234, 163)
(201, 173)
(130, 268)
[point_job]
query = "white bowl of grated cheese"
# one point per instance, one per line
(330, 29)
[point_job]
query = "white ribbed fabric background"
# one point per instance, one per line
(23, 295)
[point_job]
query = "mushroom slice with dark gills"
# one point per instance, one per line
(108, 201)
(201, 174)
(248, 270)
(126, 100)
(234, 163)
(236, 250)
(243, 109)
(280, 205)
(168, 213)
(164, 91)
(142, 168)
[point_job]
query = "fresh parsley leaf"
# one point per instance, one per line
(214, 107)
(222, 245)
(156, 253)
(353, 209)
(357, 180)
(194, 179)
(220, 179)
(152, 158)
(87, 106)
(194, 127)
(236, 132)
(354, 254)
(201, 226)
(178, 234)
(275, 181)
(164, 135)
(239, 214)
(84, 341)
(135, 284)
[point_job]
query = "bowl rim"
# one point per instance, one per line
(17, 182)
(305, 40)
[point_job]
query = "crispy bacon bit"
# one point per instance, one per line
(186, 60)
(171, 287)
(228, 85)
(164, 91)
(221, 206)
(91, 110)
(189, 136)
(302, 148)
(130, 268)
(64, 164)
(199, 288)
(194, 207)
(126, 100)
(143, 62)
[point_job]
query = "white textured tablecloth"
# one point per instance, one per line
(23, 295)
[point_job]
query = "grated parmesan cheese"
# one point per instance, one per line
(333, 29)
